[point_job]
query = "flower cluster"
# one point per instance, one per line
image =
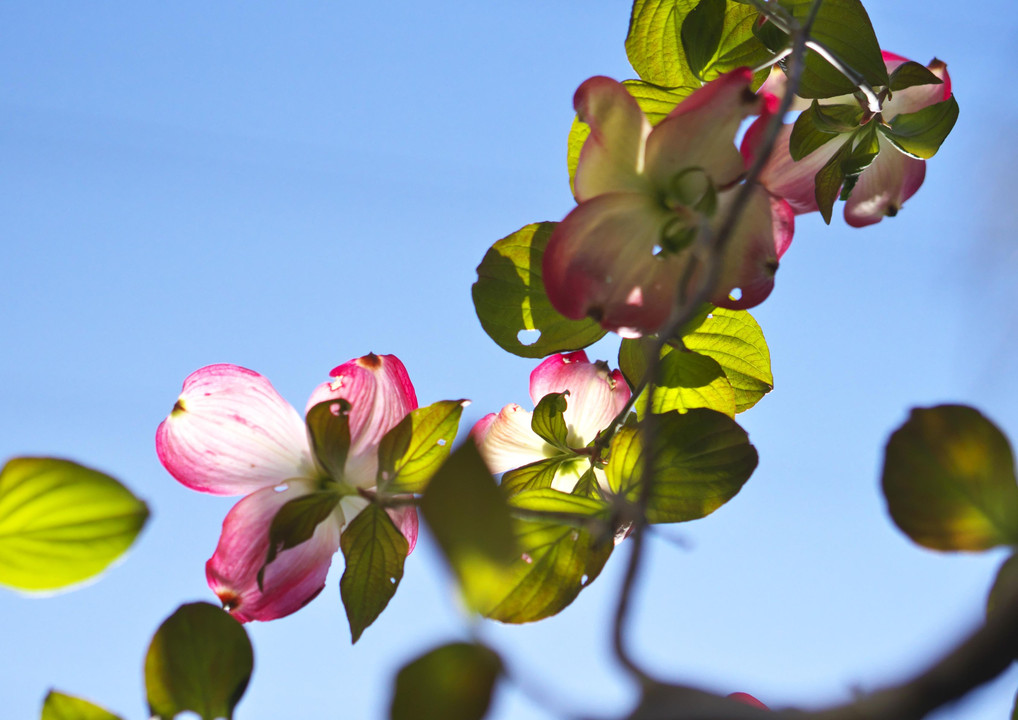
(231, 433)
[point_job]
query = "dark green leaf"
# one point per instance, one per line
(865, 151)
(734, 339)
(700, 33)
(1005, 588)
(844, 28)
(413, 450)
(949, 480)
(509, 298)
(451, 682)
(329, 429)
(829, 179)
(296, 521)
(61, 523)
(58, 706)
(547, 420)
(921, 133)
(374, 550)
(200, 659)
(909, 74)
(820, 124)
(470, 521)
(703, 459)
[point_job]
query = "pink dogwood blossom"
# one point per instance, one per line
(596, 395)
(883, 187)
(651, 201)
(231, 433)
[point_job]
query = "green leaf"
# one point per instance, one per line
(700, 33)
(829, 179)
(296, 521)
(865, 151)
(734, 339)
(537, 475)
(61, 523)
(656, 102)
(509, 298)
(553, 501)
(921, 133)
(200, 659)
(1005, 588)
(909, 74)
(653, 46)
(374, 550)
(844, 28)
(58, 706)
(703, 459)
(820, 124)
(412, 451)
(329, 429)
(548, 422)
(949, 480)
(686, 380)
(739, 46)
(556, 561)
(451, 682)
(470, 521)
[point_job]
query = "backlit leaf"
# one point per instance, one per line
(949, 480)
(200, 659)
(412, 451)
(548, 422)
(685, 379)
(451, 682)
(734, 339)
(329, 430)
(921, 133)
(61, 523)
(58, 706)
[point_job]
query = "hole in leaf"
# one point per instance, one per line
(736, 294)
(441, 441)
(281, 488)
(584, 580)
(528, 337)
(392, 580)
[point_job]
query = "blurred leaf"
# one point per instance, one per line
(296, 521)
(659, 702)
(329, 429)
(374, 550)
(471, 523)
(700, 33)
(412, 451)
(58, 706)
(734, 339)
(509, 298)
(844, 28)
(949, 480)
(1005, 588)
(451, 682)
(909, 74)
(548, 422)
(921, 133)
(200, 659)
(703, 459)
(656, 102)
(61, 523)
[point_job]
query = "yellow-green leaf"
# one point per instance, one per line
(58, 706)
(734, 339)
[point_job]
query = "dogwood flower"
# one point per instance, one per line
(596, 395)
(231, 433)
(651, 201)
(893, 176)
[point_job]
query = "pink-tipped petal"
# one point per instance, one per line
(784, 177)
(747, 699)
(600, 262)
(405, 520)
(380, 394)
(612, 156)
(231, 433)
(596, 394)
(291, 580)
(915, 98)
(884, 186)
(506, 440)
(700, 131)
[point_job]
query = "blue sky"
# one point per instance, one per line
(286, 188)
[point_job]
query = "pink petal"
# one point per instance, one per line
(291, 580)
(596, 395)
(506, 440)
(612, 156)
(783, 176)
(600, 262)
(230, 433)
(761, 236)
(884, 186)
(747, 699)
(405, 520)
(700, 131)
(916, 97)
(380, 393)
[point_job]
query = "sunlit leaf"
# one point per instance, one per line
(700, 33)
(734, 339)
(921, 133)
(374, 550)
(58, 706)
(703, 459)
(548, 421)
(553, 501)
(949, 480)
(653, 44)
(685, 380)
(61, 523)
(510, 299)
(470, 521)
(829, 179)
(451, 682)
(909, 74)
(329, 430)
(199, 660)
(412, 451)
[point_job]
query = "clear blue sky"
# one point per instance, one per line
(288, 187)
